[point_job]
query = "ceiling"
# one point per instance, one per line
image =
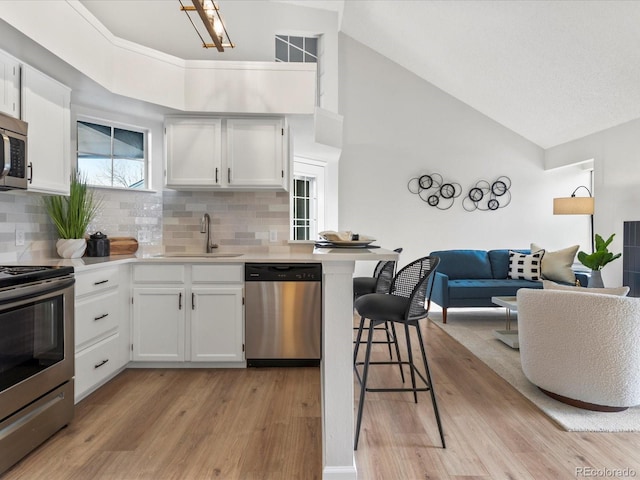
(551, 71)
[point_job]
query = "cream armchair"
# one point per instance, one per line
(581, 348)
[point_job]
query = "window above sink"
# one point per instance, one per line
(112, 155)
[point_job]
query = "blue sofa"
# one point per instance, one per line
(469, 278)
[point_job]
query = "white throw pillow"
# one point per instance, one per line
(620, 291)
(556, 265)
(525, 267)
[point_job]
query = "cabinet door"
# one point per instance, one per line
(217, 325)
(193, 149)
(9, 85)
(158, 324)
(255, 152)
(45, 107)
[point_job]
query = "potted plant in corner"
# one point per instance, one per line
(71, 216)
(598, 259)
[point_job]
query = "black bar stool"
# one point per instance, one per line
(406, 303)
(380, 283)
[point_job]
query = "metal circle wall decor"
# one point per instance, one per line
(487, 196)
(432, 189)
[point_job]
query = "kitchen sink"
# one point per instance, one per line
(200, 255)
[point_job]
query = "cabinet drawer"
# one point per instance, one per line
(96, 316)
(96, 280)
(96, 363)
(158, 273)
(217, 273)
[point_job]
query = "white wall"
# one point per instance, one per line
(397, 126)
(305, 147)
(616, 154)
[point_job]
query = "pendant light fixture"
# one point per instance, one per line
(209, 14)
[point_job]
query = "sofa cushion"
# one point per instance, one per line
(500, 261)
(526, 267)
(460, 264)
(487, 288)
(556, 265)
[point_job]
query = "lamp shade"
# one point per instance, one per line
(573, 206)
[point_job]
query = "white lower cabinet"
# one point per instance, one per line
(158, 324)
(216, 324)
(193, 313)
(101, 327)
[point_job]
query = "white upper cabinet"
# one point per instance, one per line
(226, 153)
(45, 107)
(10, 85)
(255, 148)
(194, 152)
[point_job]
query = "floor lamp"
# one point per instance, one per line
(576, 206)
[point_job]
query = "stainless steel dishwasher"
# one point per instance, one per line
(283, 314)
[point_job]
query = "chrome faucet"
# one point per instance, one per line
(205, 227)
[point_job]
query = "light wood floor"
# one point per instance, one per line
(264, 424)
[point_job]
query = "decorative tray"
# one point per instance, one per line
(346, 244)
(345, 239)
(351, 243)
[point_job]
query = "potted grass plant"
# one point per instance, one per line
(71, 216)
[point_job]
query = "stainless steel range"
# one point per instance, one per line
(36, 357)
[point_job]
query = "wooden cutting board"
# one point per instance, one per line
(123, 245)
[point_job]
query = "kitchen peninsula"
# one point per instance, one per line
(337, 305)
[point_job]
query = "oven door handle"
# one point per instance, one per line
(32, 290)
(6, 147)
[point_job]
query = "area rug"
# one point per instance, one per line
(474, 328)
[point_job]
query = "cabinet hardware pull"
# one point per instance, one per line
(216, 174)
(98, 365)
(30, 175)
(180, 301)
(101, 317)
(229, 175)
(193, 301)
(100, 282)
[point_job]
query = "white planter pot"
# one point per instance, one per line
(71, 247)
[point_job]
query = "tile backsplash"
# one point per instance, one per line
(25, 212)
(126, 213)
(169, 219)
(239, 220)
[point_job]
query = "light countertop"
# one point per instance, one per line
(293, 256)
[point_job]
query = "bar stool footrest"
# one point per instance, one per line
(412, 366)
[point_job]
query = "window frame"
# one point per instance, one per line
(112, 124)
(311, 199)
(316, 170)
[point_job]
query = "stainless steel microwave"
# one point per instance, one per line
(13, 153)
